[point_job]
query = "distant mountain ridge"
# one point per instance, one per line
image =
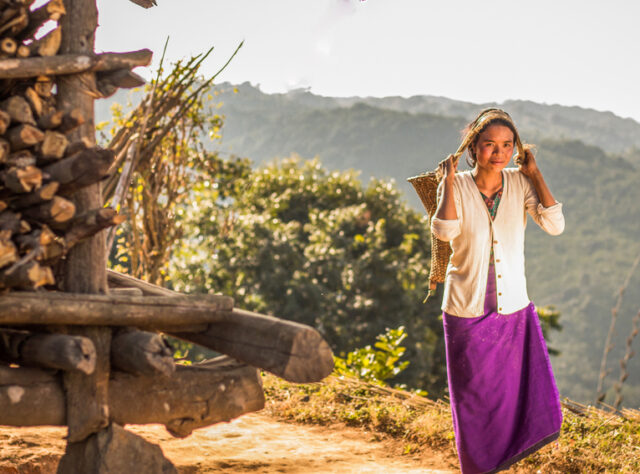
(603, 129)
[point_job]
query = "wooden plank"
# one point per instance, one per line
(296, 352)
(121, 280)
(24, 308)
(64, 64)
(193, 397)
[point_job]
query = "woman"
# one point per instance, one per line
(504, 400)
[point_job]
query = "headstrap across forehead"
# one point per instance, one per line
(478, 125)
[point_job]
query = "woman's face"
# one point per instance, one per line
(494, 148)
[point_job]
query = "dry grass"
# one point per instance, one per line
(592, 440)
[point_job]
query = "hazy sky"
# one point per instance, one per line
(570, 52)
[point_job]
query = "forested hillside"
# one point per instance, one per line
(590, 159)
(579, 271)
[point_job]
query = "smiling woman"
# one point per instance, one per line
(504, 400)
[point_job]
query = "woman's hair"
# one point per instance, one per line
(471, 156)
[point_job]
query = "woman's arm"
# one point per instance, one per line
(539, 201)
(447, 207)
(530, 169)
(445, 224)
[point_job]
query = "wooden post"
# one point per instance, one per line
(84, 268)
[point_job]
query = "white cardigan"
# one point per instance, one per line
(472, 234)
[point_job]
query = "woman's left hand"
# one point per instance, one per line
(529, 167)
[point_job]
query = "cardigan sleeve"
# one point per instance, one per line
(550, 219)
(447, 229)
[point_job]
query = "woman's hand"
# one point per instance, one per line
(448, 168)
(529, 166)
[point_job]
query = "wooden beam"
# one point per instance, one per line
(296, 352)
(26, 308)
(121, 280)
(193, 397)
(64, 64)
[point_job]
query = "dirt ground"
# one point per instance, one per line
(253, 443)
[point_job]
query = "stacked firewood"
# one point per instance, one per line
(39, 167)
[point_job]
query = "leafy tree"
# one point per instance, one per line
(295, 240)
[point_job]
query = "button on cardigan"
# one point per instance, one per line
(473, 233)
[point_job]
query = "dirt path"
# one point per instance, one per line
(253, 443)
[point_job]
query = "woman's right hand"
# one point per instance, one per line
(448, 167)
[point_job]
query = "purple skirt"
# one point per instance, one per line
(504, 399)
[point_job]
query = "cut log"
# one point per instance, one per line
(38, 17)
(142, 353)
(22, 159)
(8, 251)
(18, 23)
(290, 350)
(5, 149)
(115, 450)
(43, 86)
(48, 246)
(8, 46)
(26, 276)
(18, 109)
(10, 220)
(80, 170)
(195, 396)
(90, 223)
(102, 310)
(48, 45)
(53, 146)
(5, 120)
(22, 180)
(64, 64)
(24, 136)
(40, 195)
(109, 82)
(54, 213)
(71, 120)
(34, 100)
(50, 120)
(23, 51)
(52, 351)
(77, 146)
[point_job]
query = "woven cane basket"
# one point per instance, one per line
(426, 185)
